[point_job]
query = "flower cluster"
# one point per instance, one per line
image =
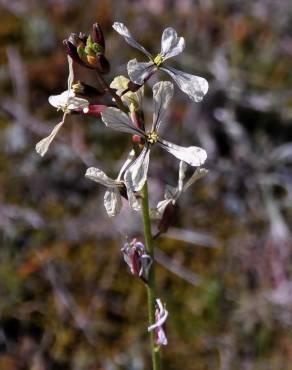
(125, 114)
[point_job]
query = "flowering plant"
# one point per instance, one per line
(125, 114)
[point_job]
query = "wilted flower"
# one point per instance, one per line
(172, 194)
(112, 197)
(171, 45)
(136, 257)
(160, 317)
(136, 175)
(88, 51)
(67, 101)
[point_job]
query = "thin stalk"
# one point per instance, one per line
(110, 91)
(151, 281)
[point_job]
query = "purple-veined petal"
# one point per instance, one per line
(140, 71)
(95, 174)
(117, 120)
(112, 202)
(136, 174)
(126, 34)
(192, 155)
(43, 145)
(194, 86)
(199, 173)
(171, 45)
(129, 160)
(162, 94)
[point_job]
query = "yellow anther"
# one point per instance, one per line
(152, 137)
(158, 60)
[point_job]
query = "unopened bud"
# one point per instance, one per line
(97, 35)
(84, 89)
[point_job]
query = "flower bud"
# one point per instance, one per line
(84, 89)
(97, 35)
(88, 51)
(72, 51)
(103, 64)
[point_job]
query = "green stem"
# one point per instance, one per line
(151, 280)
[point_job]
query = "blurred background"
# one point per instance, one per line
(67, 300)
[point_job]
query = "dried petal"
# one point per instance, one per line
(171, 45)
(162, 94)
(136, 175)
(126, 34)
(112, 202)
(43, 145)
(95, 174)
(194, 86)
(192, 155)
(139, 72)
(199, 173)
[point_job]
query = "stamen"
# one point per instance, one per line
(152, 137)
(158, 60)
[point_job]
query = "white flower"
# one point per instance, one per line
(112, 197)
(135, 176)
(132, 99)
(66, 101)
(172, 194)
(171, 45)
(161, 315)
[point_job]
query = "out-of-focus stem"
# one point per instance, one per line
(110, 91)
(151, 280)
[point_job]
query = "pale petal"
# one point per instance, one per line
(161, 337)
(59, 101)
(140, 71)
(157, 213)
(129, 160)
(194, 86)
(71, 72)
(95, 174)
(199, 173)
(181, 175)
(43, 145)
(112, 202)
(136, 174)
(163, 314)
(68, 100)
(162, 94)
(117, 120)
(171, 45)
(120, 83)
(192, 155)
(134, 202)
(170, 192)
(77, 103)
(126, 34)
